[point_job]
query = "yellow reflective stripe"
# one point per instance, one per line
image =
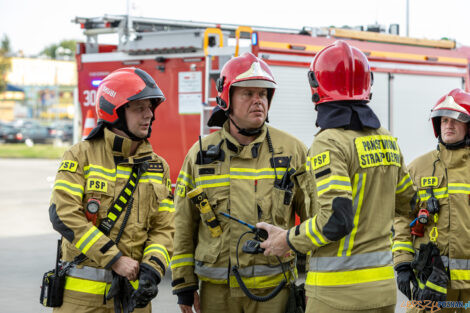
(185, 179)
(436, 287)
(459, 274)
(123, 172)
(259, 281)
(312, 232)
(160, 249)
(210, 181)
(439, 193)
(253, 173)
(87, 240)
(359, 198)
(403, 245)
(404, 184)
(462, 188)
(152, 177)
(350, 277)
(334, 182)
(97, 170)
(123, 199)
(127, 191)
(182, 260)
(86, 286)
(166, 205)
(73, 189)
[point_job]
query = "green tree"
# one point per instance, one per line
(5, 62)
(65, 48)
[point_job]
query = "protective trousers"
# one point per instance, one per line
(68, 307)
(454, 298)
(216, 298)
(316, 306)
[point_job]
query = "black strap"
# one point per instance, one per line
(115, 211)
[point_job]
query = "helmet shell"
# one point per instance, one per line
(340, 72)
(246, 70)
(455, 104)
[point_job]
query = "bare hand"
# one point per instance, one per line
(188, 308)
(126, 267)
(276, 244)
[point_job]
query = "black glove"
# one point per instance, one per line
(149, 278)
(436, 286)
(121, 290)
(186, 297)
(405, 276)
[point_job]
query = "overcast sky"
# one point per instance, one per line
(33, 24)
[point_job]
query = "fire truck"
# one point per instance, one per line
(185, 59)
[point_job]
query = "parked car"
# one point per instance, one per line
(11, 134)
(35, 132)
(62, 131)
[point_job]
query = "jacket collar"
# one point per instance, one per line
(453, 158)
(121, 149)
(354, 115)
(249, 151)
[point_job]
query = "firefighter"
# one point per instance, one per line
(112, 204)
(360, 183)
(443, 181)
(246, 169)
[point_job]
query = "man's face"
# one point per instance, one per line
(138, 116)
(249, 106)
(452, 131)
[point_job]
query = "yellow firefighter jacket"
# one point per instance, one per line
(446, 174)
(240, 182)
(99, 169)
(360, 182)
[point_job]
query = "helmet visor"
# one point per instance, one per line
(459, 116)
(261, 83)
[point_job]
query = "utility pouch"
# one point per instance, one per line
(52, 289)
(53, 284)
(199, 198)
(296, 300)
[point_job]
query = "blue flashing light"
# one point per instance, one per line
(254, 39)
(96, 82)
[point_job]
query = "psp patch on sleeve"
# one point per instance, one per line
(68, 165)
(320, 160)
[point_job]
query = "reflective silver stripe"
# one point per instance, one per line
(262, 270)
(91, 273)
(458, 264)
(218, 273)
(221, 273)
(334, 264)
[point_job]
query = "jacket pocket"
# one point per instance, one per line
(281, 206)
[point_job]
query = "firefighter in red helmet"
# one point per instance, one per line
(247, 170)
(435, 258)
(112, 205)
(359, 182)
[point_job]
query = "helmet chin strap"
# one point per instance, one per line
(456, 145)
(249, 132)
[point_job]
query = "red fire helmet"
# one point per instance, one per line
(455, 104)
(340, 72)
(246, 70)
(120, 87)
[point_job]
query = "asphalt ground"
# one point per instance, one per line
(28, 242)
